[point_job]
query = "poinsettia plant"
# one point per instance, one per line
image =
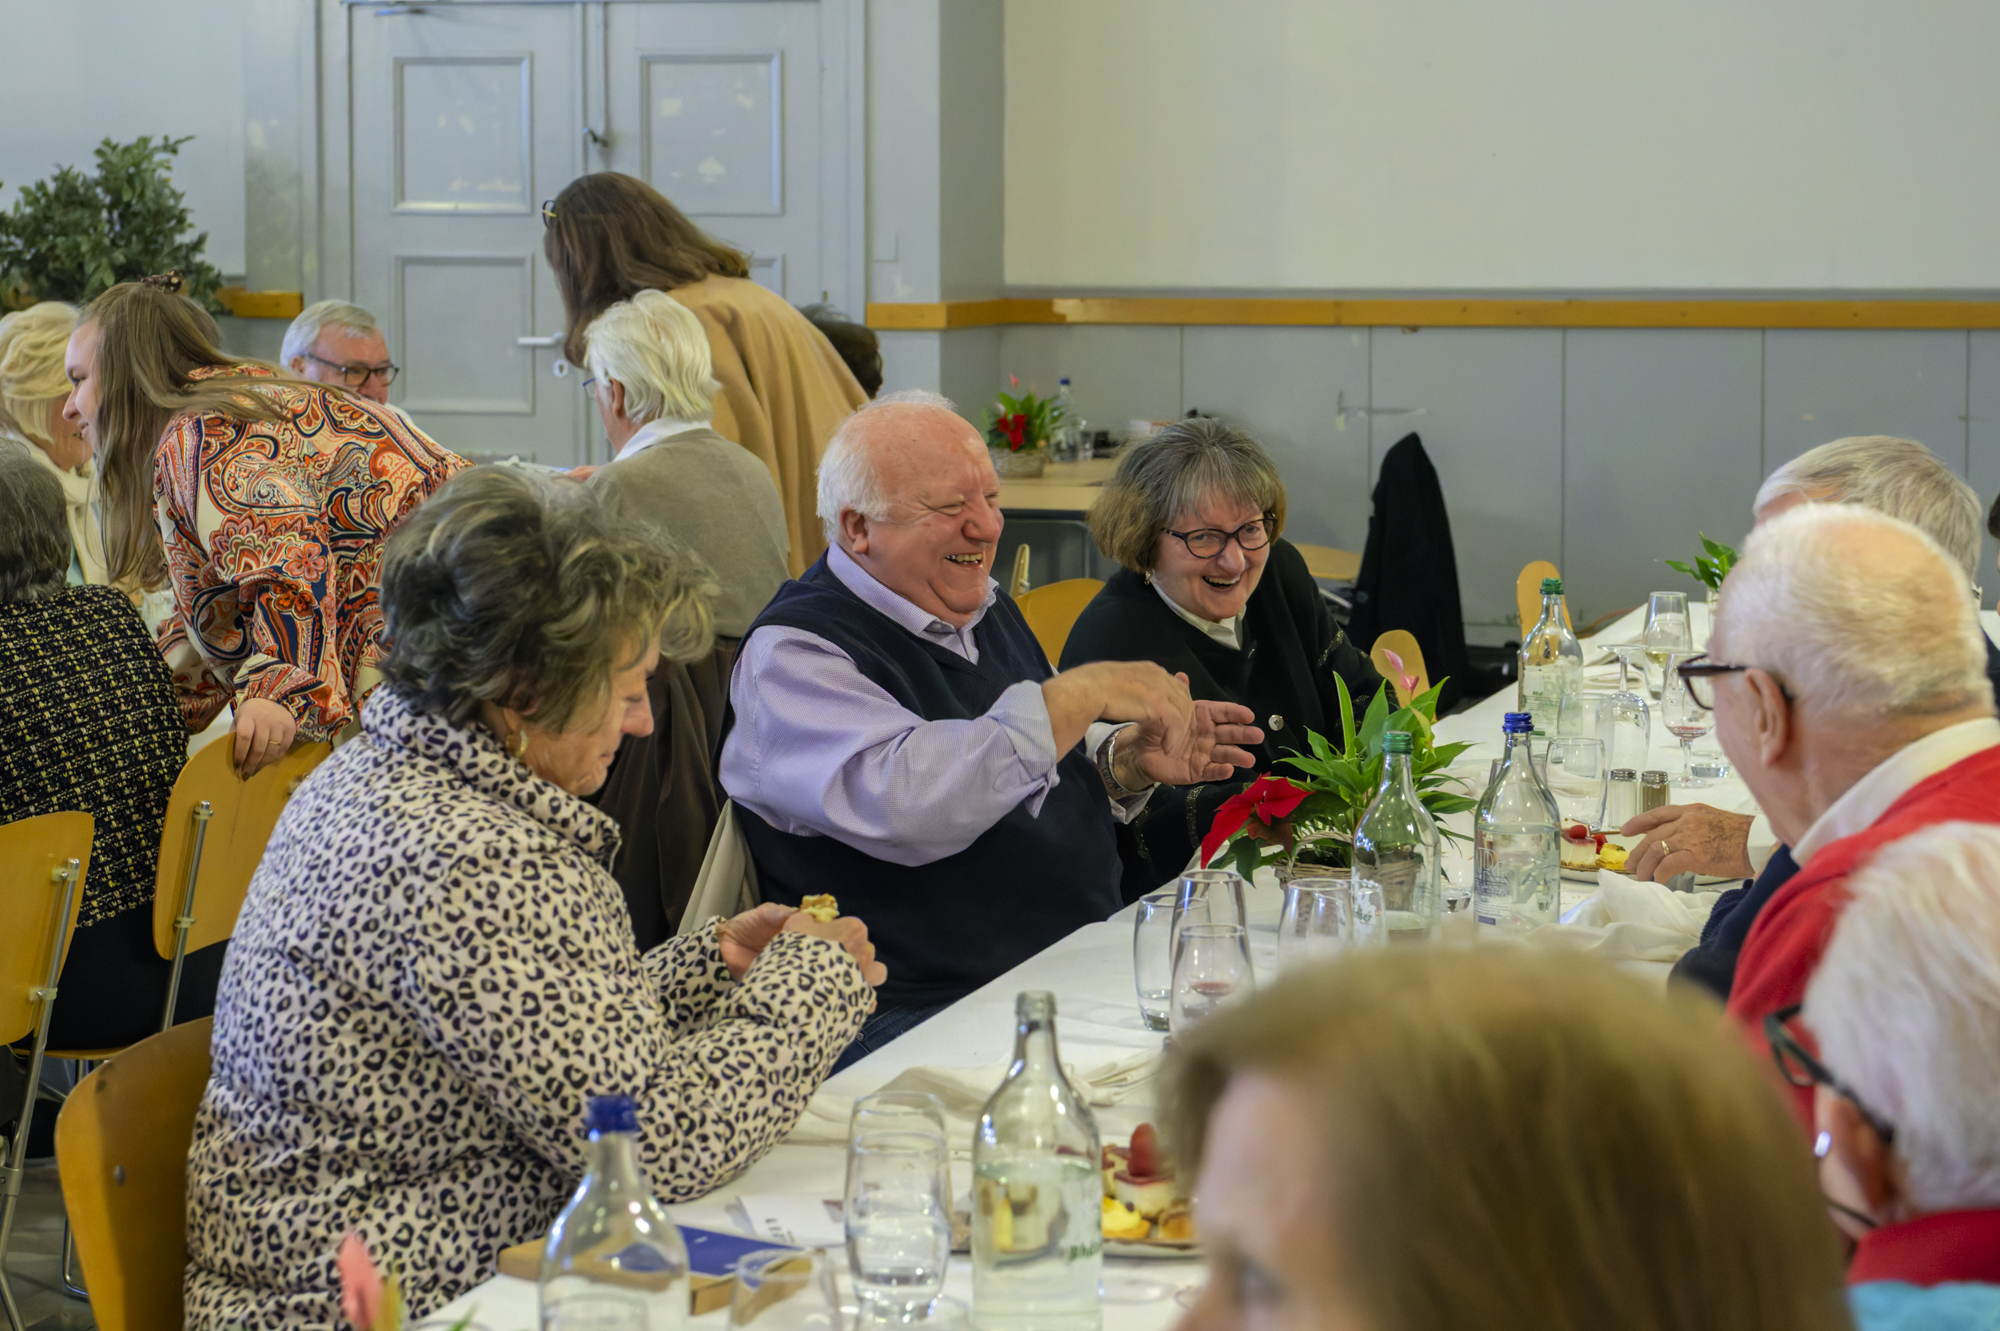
(1024, 422)
(1281, 819)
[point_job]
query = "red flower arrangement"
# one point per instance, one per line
(1270, 801)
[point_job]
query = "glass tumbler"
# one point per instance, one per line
(1315, 923)
(898, 1213)
(1213, 967)
(1153, 956)
(1208, 896)
(785, 1289)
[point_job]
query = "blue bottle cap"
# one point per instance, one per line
(612, 1113)
(1517, 723)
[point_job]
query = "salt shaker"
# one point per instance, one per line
(1652, 790)
(1623, 803)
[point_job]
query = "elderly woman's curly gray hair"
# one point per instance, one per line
(34, 527)
(1167, 474)
(525, 591)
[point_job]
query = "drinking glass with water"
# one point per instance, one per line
(1153, 956)
(898, 1212)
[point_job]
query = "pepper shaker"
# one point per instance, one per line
(1652, 790)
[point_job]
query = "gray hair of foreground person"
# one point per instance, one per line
(1906, 1008)
(1899, 477)
(525, 591)
(34, 528)
(1514, 1139)
(655, 346)
(314, 319)
(849, 477)
(1855, 613)
(1168, 473)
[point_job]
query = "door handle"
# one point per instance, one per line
(552, 340)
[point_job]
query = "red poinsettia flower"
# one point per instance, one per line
(1015, 427)
(1270, 798)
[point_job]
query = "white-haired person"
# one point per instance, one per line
(1901, 1047)
(1899, 477)
(648, 361)
(1848, 741)
(897, 738)
(32, 389)
(334, 342)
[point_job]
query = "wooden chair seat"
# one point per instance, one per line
(1052, 610)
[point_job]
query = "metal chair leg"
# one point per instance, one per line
(72, 1279)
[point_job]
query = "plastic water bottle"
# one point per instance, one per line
(614, 1262)
(1396, 845)
(1038, 1192)
(1516, 851)
(1068, 438)
(1551, 662)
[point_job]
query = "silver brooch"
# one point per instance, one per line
(1276, 722)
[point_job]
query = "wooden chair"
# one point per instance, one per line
(123, 1142)
(1051, 611)
(42, 866)
(1528, 594)
(1018, 582)
(1323, 561)
(1408, 661)
(217, 826)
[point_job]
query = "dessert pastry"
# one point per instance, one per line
(1122, 1222)
(1139, 1182)
(1177, 1224)
(1613, 857)
(822, 908)
(1580, 847)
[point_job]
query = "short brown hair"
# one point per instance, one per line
(1168, 473)
(611, 236)
(1532, 1140)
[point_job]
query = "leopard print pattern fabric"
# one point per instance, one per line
(432, 972)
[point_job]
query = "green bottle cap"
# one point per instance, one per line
(1398, 741)
(1552, 586)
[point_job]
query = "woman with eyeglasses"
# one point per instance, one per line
(1899, 1039)
(261, 499)
(1210, 590)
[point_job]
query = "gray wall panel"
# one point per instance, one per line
(1660, 434)
(1983, 398)
(1121, 372)
(1822, 384)
(1283, 385)
(1492, 424)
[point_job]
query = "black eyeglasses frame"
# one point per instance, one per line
(367, 372)
(1187, 537)
(1795, 1062)
(1702, 669)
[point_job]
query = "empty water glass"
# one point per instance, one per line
(898, 1212)
(1208, 896)
(1314, 924)
(1153, 956)
(1213, 966)
(785, 1289)
(1579, 778)
(1368, 908)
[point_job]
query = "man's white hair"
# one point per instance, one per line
(655, 346)
(1847, 628)
(848, 475)
(1906, 1007)
(314, 319)
(1899, 477)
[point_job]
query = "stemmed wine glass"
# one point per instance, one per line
(1631, 719)
(1685, 719)
(1667, 630)
(1211, 967)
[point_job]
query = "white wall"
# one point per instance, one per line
(81, 71)
(1540, 144)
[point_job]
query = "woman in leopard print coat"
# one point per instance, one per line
(435, 969)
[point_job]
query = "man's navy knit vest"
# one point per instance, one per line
(945, 928)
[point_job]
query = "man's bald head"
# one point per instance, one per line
(873, 457)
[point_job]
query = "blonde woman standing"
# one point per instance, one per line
(32, 389)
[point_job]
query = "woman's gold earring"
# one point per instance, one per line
(517, 743)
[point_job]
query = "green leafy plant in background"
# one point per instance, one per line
(1016, 424)
(1710, 568)
(1338, 786)
(72, 235)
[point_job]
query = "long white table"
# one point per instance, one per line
(1098, 1020)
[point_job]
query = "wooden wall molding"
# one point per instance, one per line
(939, 316)
(246, 304)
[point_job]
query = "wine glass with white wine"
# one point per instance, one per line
(1667, 630)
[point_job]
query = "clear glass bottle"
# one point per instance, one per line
(1551, 662)
(1396, 845)
(1516, 851)
(614, 1262)
(1038, 1192)
(1065, 440)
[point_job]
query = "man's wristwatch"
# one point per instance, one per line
(1108, 769)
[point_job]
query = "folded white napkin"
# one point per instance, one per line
(1627, 920)
(965, 1091)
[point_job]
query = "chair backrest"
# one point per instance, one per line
(122, 1146)
(1396, 654)
(1051, 611)
(1018, 583)
(727, 882)
(1323, 561)
(31, 851)
(244, 812)
(1528, 594)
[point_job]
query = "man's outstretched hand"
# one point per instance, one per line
(1206, 746)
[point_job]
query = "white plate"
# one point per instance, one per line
(1152, 1250)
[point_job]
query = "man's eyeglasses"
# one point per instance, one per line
(1699, 673)
(1208, 542)
(548, 211)
(1800, 1068)
(357, 376)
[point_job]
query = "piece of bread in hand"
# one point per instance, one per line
(822, 908)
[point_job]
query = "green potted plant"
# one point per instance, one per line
(72, 235)
(1310, 820)
(1018, 431)
(1709, 568)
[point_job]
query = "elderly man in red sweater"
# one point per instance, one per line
(1847, 673)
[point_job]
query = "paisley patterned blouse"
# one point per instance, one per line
(273, 537)
(432, 972)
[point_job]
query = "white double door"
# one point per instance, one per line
(464, 116)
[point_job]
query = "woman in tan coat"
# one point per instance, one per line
(784, 387)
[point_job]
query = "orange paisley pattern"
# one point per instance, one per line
(274, 537)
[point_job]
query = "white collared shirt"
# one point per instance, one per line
(1230, 635)
(1864, 802)
(653, 431)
